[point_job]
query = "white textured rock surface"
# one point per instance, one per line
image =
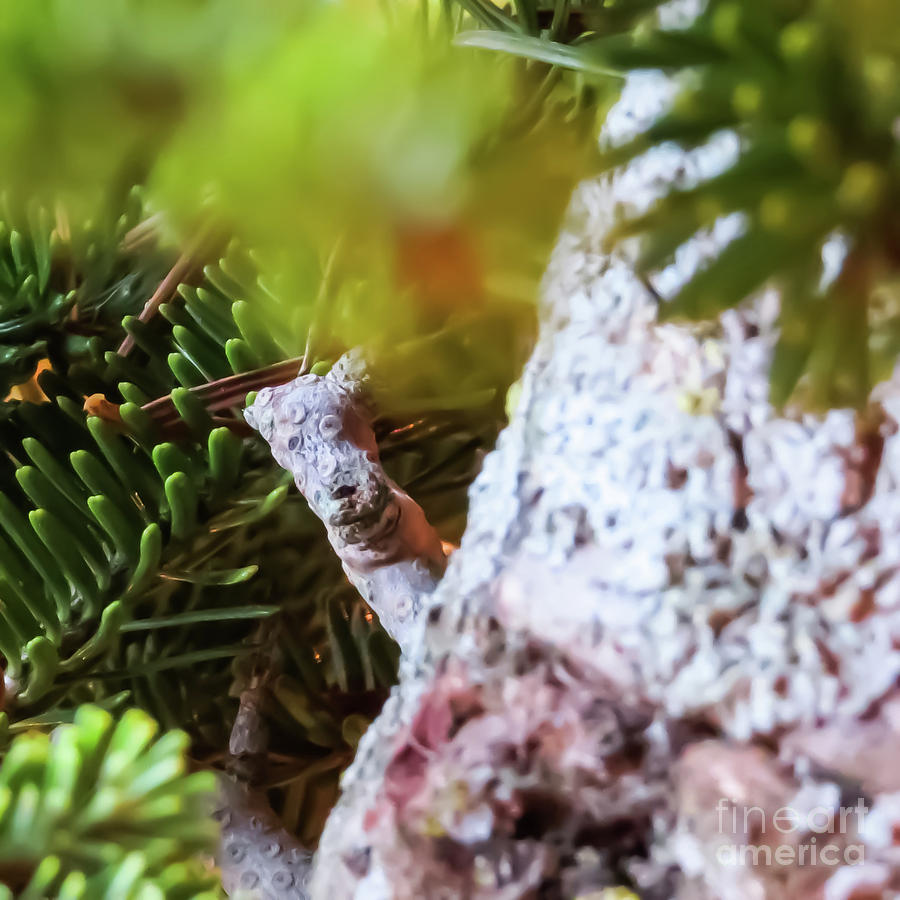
(257, 857)
(653, 558)
(319, 429)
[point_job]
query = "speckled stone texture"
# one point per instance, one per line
(319, 429)
(258, 858)
(670, 601)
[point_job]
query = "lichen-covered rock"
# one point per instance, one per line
(668, 595)
(258, 858)
(319, 429)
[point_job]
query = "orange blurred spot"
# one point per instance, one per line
(448, 548)
(30, 390)
(440, 264)
(98, 405)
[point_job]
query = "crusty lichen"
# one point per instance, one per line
(319, 429)
(258, 857)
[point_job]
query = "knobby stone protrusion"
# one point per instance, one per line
(258, 857)
(320, 430)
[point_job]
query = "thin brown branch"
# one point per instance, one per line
(184, 266)
(221, 394)
(226, 393)
(143, 232)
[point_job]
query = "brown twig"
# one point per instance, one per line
(221, 394)
(225, 393)
(183, 267)
(135, 237)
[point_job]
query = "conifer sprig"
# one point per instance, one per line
(104, 809)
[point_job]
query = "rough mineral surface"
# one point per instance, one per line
(319, 429)
(672, 629)
(257, 857)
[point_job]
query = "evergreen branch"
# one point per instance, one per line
(104, 809)
(316, 324)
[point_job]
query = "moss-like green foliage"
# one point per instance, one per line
(104, 809)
